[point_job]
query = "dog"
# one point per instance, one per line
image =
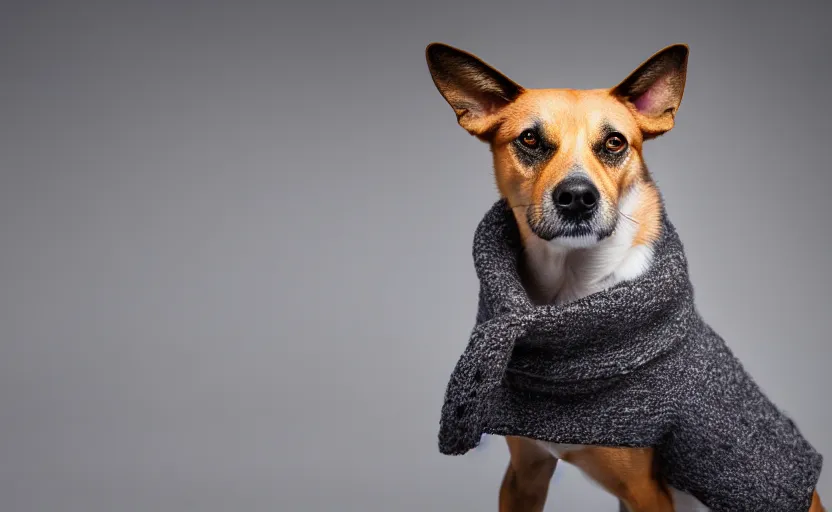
(570, 165)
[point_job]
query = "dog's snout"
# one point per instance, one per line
(576, 196)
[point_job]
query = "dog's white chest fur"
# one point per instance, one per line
(563, 272)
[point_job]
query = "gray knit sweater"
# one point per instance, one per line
(633, 365)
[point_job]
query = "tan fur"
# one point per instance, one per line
(648, 216)
(497, 110)
(627, 473)
(526, 481)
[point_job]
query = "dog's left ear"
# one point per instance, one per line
(654, 90)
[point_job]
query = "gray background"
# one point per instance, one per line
(235, 266)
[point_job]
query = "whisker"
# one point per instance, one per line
(628, 217)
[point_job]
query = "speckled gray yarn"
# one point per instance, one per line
(633, 365)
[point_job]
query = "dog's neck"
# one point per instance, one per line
(556, 274)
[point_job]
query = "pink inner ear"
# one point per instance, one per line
(656, 99)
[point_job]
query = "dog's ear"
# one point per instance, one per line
(654, 90)
(475, 90)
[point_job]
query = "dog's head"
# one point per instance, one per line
(563, 158)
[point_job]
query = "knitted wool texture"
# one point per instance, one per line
(633, 365)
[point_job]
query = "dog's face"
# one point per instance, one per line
(564, 159)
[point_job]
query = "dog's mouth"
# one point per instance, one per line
(579, 229)
(550, 225)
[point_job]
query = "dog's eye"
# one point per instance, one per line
(615, 143)
(529, 139)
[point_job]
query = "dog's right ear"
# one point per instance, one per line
(475, 90)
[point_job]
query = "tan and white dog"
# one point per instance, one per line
(569, 163)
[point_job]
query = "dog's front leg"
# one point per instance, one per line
(526, 482)
(817, 506)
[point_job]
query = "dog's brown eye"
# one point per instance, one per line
(529, 139)
(615, 143)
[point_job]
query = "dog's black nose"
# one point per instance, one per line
(575, 197)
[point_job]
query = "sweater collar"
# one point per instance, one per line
(609, 332)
